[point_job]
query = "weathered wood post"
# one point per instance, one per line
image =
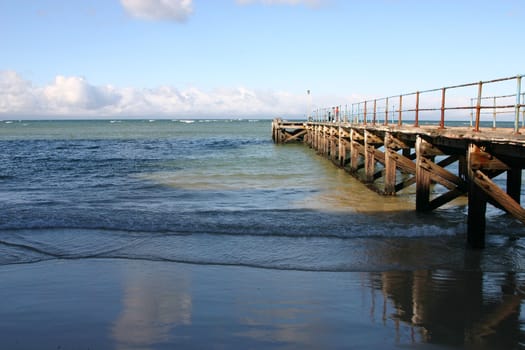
(316, 138)
(339, 145)
(369, 157)
(326, 141)
(422, 177)
(482, 166)
(274, 130)
(354, 150)
(333, 143)
(477, 203)
(390, 165)
(277, 132)
(514, 184)
(342, 147)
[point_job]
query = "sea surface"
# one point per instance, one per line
(220, 193)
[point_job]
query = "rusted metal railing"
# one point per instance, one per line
(439, 102)
(496, 110)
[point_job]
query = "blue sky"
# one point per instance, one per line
(235, 58)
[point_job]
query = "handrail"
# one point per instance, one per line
(362, 113)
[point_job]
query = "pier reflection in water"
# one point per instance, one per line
(202, 305)
(455, 308)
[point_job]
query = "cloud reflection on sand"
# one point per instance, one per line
(153, 306)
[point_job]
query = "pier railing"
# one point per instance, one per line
(499, 97)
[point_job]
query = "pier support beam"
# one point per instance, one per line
(390, 165)
(390, 171)
(422, 176)
(342, 147)
(355, 149)
(477, 199)
(514, 184)
(369, 162)
(395, 161)
(283, 132)
(482, 166)
(371, 141)
(477, 206)
(427, 172)
(334, 143)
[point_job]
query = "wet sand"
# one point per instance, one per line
(133, 304)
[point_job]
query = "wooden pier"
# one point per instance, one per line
(389, 157)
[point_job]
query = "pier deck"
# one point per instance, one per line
(389, 157)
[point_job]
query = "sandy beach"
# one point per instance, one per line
(122, 304)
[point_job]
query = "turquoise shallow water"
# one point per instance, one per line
(221, 198)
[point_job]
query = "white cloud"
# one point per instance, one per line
(16, 93)
(76, 97)
(172, 10)
(311, 3)
(76, 93)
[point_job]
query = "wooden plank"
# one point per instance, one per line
(379, 156)
(484, 160)
(406, 183)
(356, 136)
(439, 180)
(439, 174)
(404, 163)
(394, 142)
(427, 149)
(371, 138)
(445, 198)
(496, 193)
(291, 137)
(345, 133)
(447, 161)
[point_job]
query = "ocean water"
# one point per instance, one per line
(211, 192)
(220, 193)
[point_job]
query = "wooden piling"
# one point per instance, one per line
(477, 206)
(514, 184)
(422, 178)
(369, 162)
(390, 166)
